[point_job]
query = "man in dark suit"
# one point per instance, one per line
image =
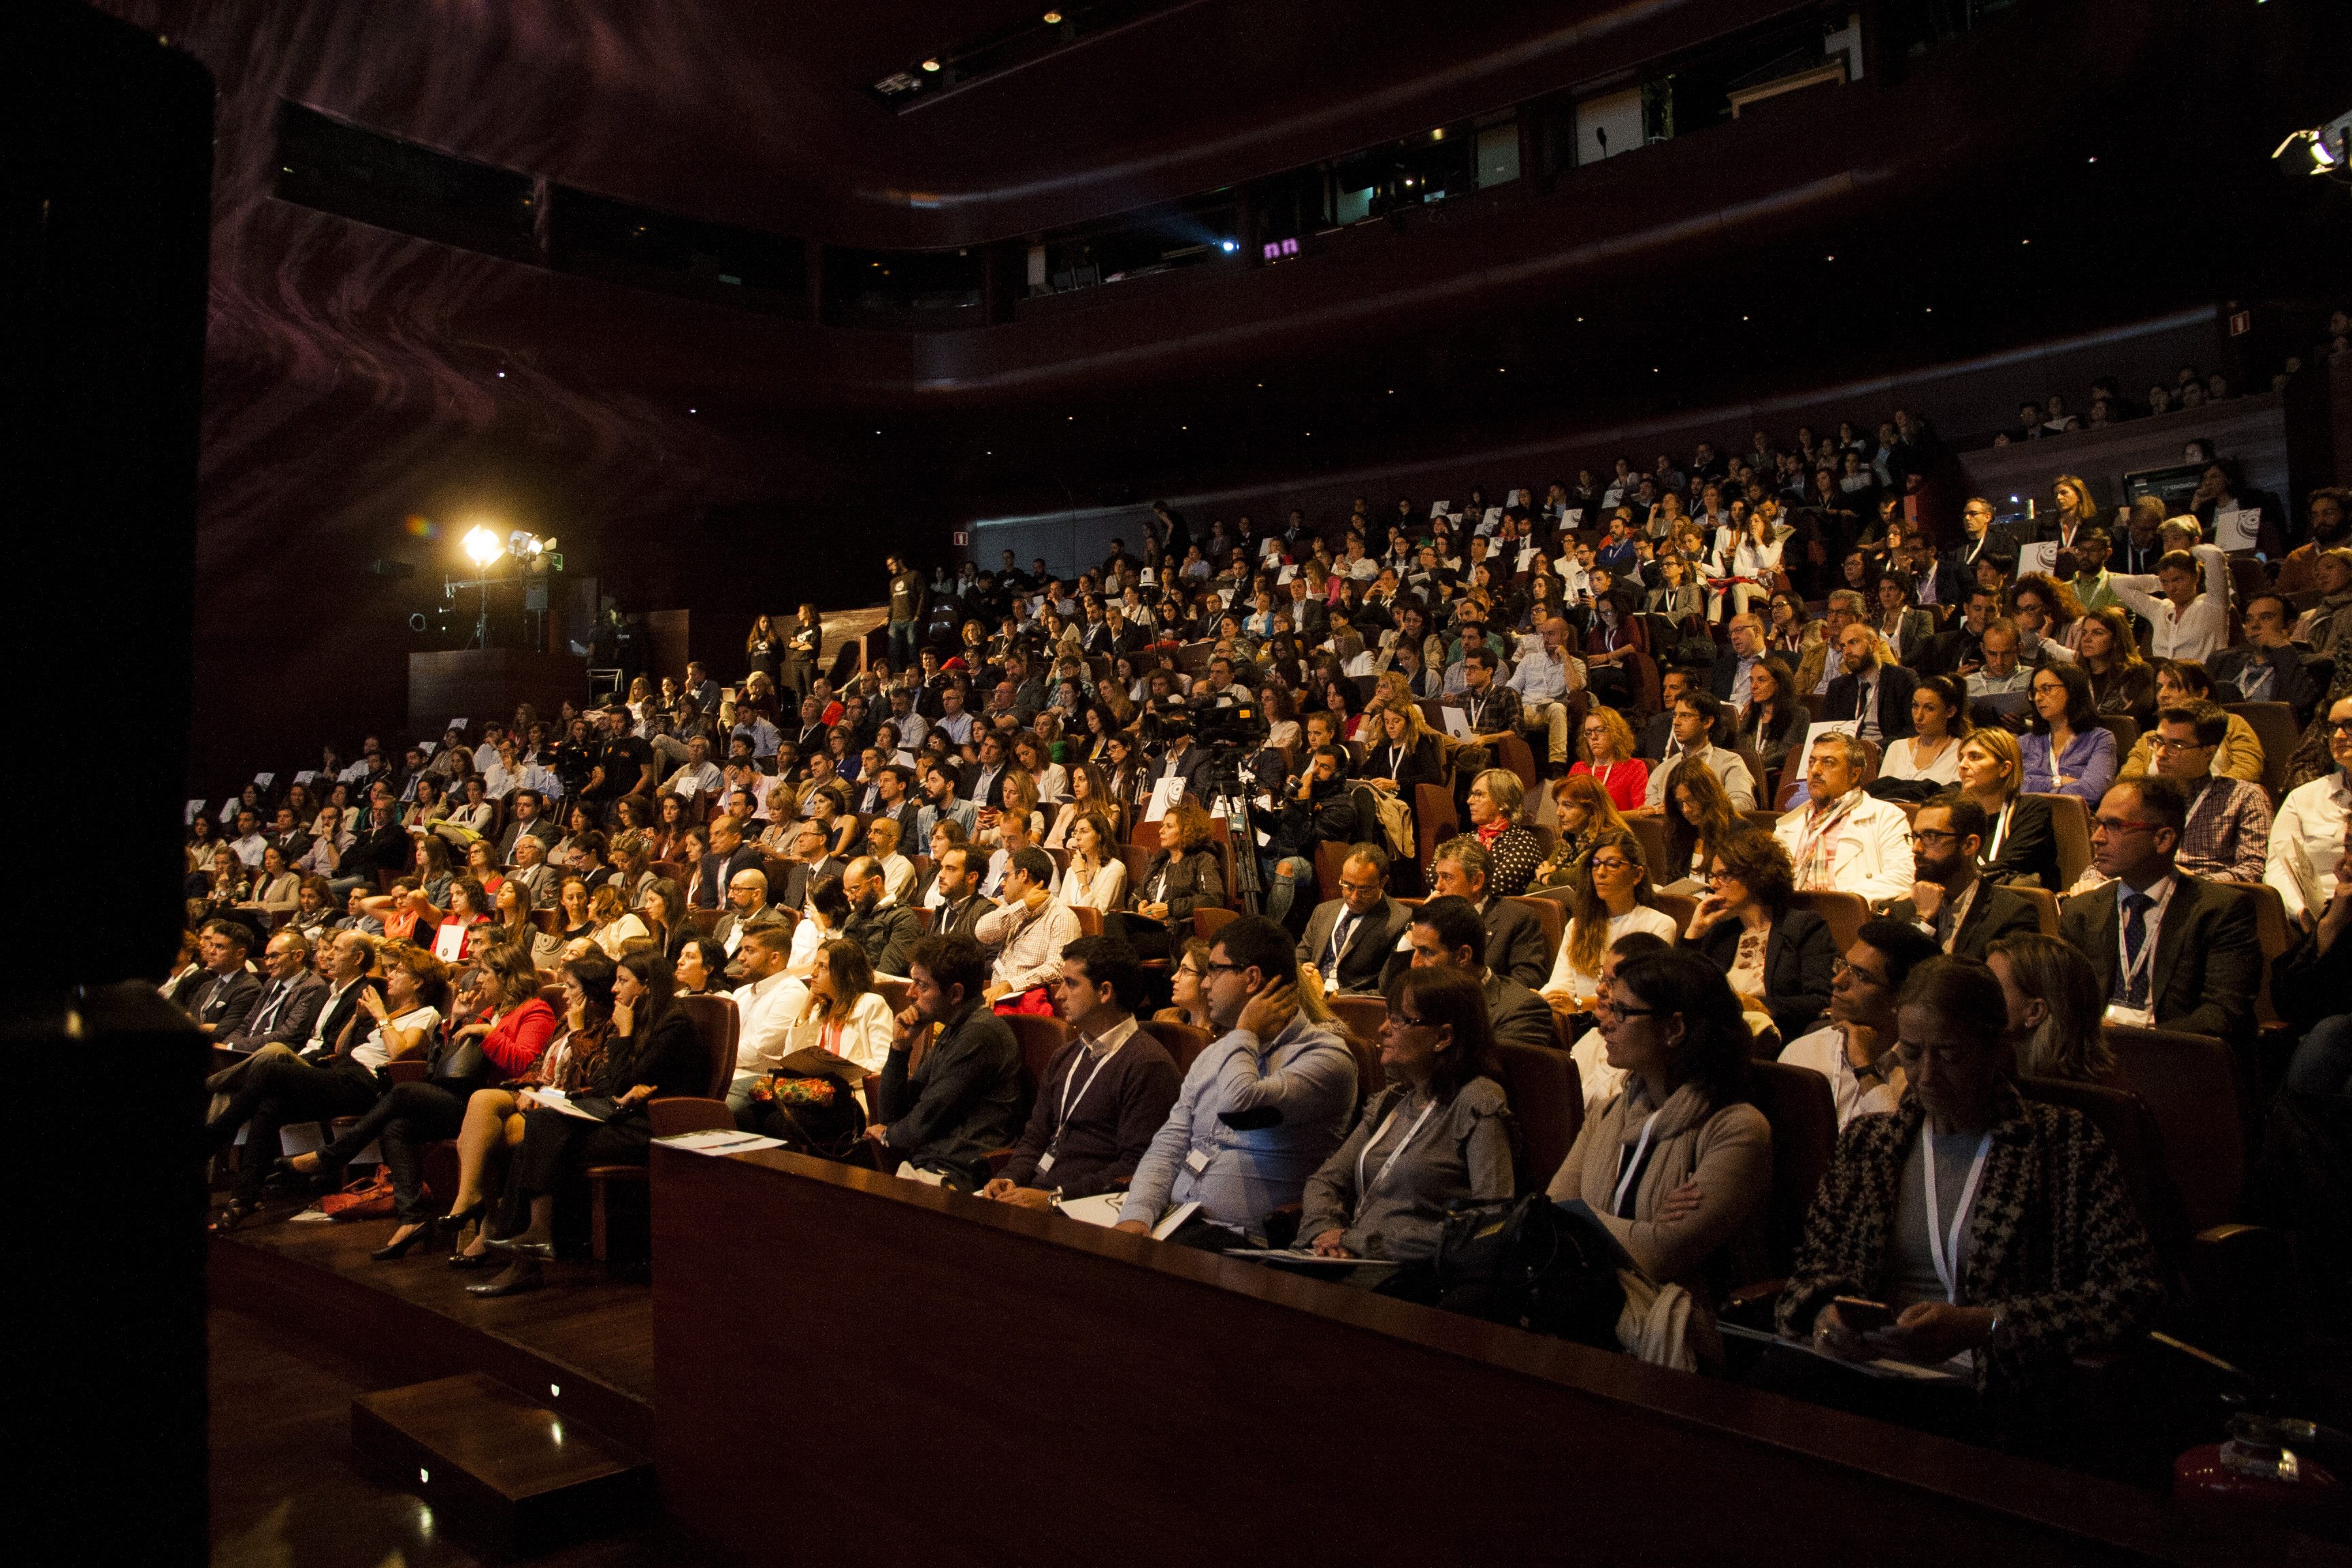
(2269, 668)
(288, 835)
(2171, 949)
(1515, 936)
(885, 928)
(1956, 574)
(1447, 932)
(289, 1000)
(531, 820)
(961, 903)
(728, 854)
(809, 866)
(747, 908)
(1873, 689)
(1962, 912)
(222, 1003)
(1956, 651)
(1349, 938)
(984, 785)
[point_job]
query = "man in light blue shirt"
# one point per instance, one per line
(1261, 1109)
(1543, 680)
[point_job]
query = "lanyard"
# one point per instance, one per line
(1362, 1191)
(2000, 830)
(1626, 1180)
(1062, 1113)
(1343, 931)
(1947, 1251)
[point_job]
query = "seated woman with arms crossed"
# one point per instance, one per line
(1437, 1135)
(1677, 1166)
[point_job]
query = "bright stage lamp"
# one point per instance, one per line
(482, 547)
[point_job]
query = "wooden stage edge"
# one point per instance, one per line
(1082, 1396)
(411, 1321)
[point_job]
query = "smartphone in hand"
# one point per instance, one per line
(1862, 1316)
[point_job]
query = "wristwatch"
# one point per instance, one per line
(1872, 1070)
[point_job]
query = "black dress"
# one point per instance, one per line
(557, 1147)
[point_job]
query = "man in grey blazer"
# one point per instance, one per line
(289, 1000)
(1349, 940)
(1446, 931)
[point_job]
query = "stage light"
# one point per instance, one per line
(482, 546)
(2330, 145)
(1053, 18)
(1227, 245)
(930, 65)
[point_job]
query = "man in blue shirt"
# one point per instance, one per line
(1261, 1109)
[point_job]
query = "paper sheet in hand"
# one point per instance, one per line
(1833, 726)
(1268, 547)
(2040, 556)
(1297, 1257)
(550, 1100)
(1526, 559)
(2306, 877)
(815, 1061)
(1441, 509)
(1493, 516)
(2238, 529)
(1883, 1367)
(196, 809)
(1458, 723)
(457, 724)
(1103, 1208)
(1286, 574)
(1165, 793)
(1516, 498)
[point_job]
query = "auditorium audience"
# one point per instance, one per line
(939, 1117)
(1446, 932)
(1778, 959)
(1842, 840)
(2021, 842)
(1615, 901)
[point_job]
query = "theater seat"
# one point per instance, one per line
(1797, 1103)
(1546, 1101)
(1184, 1042)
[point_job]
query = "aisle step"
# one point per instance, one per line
(498, 1467)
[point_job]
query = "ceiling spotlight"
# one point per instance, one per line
(482, 546)
(930, 65)
(1227, 245)
(1053, 18)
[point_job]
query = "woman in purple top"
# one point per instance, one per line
(2068, 752)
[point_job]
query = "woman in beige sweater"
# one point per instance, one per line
(1679, 1163)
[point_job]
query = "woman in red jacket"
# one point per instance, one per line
(509, 1027)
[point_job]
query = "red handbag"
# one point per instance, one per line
(368, 1198)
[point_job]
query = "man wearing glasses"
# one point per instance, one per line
(1951, 905)
(2310, 827)
(1855, 1049)
(1348, 940)
(1261, 1109)
(2229, 830)
(2171, 952)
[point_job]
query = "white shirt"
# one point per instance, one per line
(1566, 976)
(1601, 1082)
(372, 1053)
(1102, 891)
(1902, 762)
(249, 847)
(864, 1037)
(2309, 826)
(770, 1007)
(2197, 633)
(695, 778)
(1028, 947)
(1823, 1050)
(1870, 852)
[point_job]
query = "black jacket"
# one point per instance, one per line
(1326, 816)
(1520, 1017)
(1895, 686)
(2291, 681)
(225, 1001)
(1194, 881)
(886, 932)
(1515, 942)
(711, 892)
(288, 1018)
(2208, 961)
(963, 1103)
(1363, 964)
(2029, 851)
(1421, 765)
(1799, 958)
(1995, 913)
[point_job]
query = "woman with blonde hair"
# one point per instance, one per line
(1605, 748)
(2072, 510)
(615, 926)
(2055, 1008)
(2022, 843)
(1403, 752)
(1497, 801)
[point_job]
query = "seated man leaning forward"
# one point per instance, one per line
(1261, 1109)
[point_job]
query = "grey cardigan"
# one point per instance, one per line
(1462, 1152)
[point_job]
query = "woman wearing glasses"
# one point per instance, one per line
(1437, 1135)
(1609, 746)
(1615, 901)
(2068, 750)
(1677, 1166)
(1778, 959)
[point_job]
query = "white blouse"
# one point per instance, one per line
(1566, 976)
(1103, 890)
(1902, 762)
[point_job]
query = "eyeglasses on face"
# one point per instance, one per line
(2122, 825)
(1612, 863)
(1841, 969)
(2340, 726)
(1213, 965)
(1928, 835)
(2167, 743)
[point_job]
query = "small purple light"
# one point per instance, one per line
(1273, 252)
(1290, 247)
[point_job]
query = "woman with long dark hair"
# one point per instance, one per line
(2068, 752)
(653, 1052)
(1439, 1134)
(1774, 723)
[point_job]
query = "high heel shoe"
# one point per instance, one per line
(470, 1259)
(455, 1222)
(392, 1250)
(514, 1282)
(234, 1214)
(514, 1247)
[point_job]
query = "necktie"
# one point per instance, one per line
(2135, 908)
(1340, 934)
(261, 1019)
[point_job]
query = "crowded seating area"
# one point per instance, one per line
(1967, 1008)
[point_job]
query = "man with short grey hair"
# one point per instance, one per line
(1842, 840)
